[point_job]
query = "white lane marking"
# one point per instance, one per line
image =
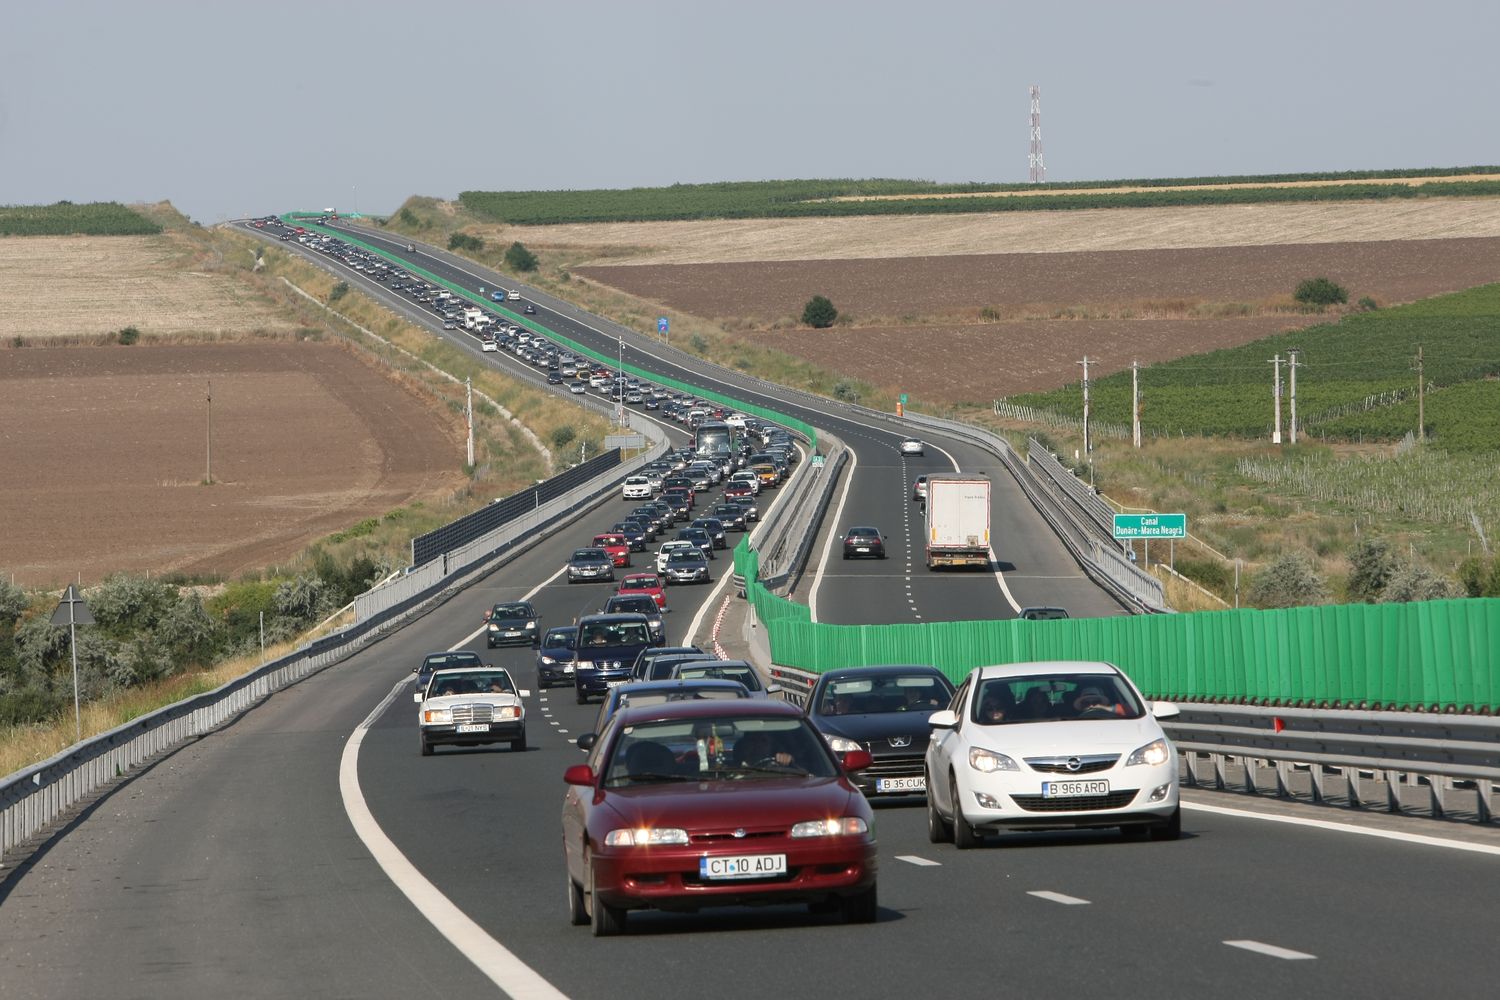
(1000, 579)
(1269, 949)
(491, 957)
(562, 730)
(525, 597)
(838, 514)
(1057, 897)
(1362, 831)
(912, 859)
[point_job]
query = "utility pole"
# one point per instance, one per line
(1276, 397)
(209, 467)
(1421, 400)
(1036, 172)
(1088, 445)
(1291, 362)
(1135, 402)
(469, 409)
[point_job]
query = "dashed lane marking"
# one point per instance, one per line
(1261, 948)
(912, 859)
(1057, 897)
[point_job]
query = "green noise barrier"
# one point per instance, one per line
(765, 413)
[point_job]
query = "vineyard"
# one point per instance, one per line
(1359, 372)
(100, 218)
(794, 198)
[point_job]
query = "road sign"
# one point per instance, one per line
(71, 610)
(661, 324)
(903, 399)
(624, 441)
(1150, 526)
(817, 461)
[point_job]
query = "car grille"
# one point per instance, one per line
(1086, 764)
(464, 715)
(904, 765)
(1114, 800)
(728, 835)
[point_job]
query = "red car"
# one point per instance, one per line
(645, 583)
(736, 490)
(694, 804)
(617, 546)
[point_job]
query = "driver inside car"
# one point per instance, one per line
(758, 749)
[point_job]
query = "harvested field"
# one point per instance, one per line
(732, 240)
(978, 363)
(307, 439)
(74, 286)
(1390, 271)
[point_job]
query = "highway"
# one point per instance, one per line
(233, 867)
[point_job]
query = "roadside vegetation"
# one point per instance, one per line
(99, 218)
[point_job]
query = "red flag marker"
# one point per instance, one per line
(1276, 721)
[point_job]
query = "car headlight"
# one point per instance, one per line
(989, 760)
(1154, 753)
(840, 744)
(494, 627)
(645, 837)
(510, 712)
(531, 624)
(847, 826)
(584, 664)
(438, 716)
(547, 661)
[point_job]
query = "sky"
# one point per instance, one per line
(248, 108)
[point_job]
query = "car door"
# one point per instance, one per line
(578, 803)
(944, 745)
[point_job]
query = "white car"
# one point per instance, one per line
(488, 344)
(667, 549)
(911, 446)
(748, 478)
(470, 706)
(1048, 746)
(636, 488)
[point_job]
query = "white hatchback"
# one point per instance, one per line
(911, 446)
(1049, 746)
(636, 488)
(667, 549)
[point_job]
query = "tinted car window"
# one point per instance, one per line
(1055, 697)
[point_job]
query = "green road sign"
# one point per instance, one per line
(1150, 526)
(817, 461)
(903, 399)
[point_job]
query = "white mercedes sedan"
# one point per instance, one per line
(1050, 746)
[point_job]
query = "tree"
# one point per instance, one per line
(1320, 292)
(563, 436)
(1290, 581)
(463, 241)
(1371, 566)
(128, 336)
(1480, 577)
(819, 313)
(518, 258)
(338, 291)
(1413, 582)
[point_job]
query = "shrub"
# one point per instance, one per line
(407, 216)
(518, 258)
(1480, 577)
(338, 291)
(1372, 564)
(846, 391)
(1368, 304)
(1320, 292)
(698, 343)
(819, 313)
(128, 336)
(463, 241)
(563, 436)
(1418, 583)
(1288, 582)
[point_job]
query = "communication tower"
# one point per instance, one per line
(1038, 172)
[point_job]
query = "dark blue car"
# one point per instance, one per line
(605, 651)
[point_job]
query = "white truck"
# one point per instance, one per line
(473, 319)
(958, 520)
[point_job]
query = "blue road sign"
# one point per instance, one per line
(661, 324)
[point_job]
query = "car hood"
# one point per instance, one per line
(701, 806)
(883, 725)
(1069, 737)
(479, 698)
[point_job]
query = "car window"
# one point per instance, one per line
(734, 748)
(878, 695)
(745, 675)
(1055, 698)
(612, 634)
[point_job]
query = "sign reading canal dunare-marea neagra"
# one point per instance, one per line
(1150, 526)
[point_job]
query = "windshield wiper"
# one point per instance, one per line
(652, 776)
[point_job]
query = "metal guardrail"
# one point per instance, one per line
(1098, 513)
(785, 552)
(1444, 753)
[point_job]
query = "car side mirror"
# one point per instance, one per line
(579, 774)
(587, 741)
(857, 760)
(1165, 710)
(945, 719)
(417, 697)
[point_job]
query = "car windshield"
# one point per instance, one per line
(863, 533)
(470, 682)
(1055, 698)
(723, 671)
(632, 633)
(640, 582)
(913, 692)
(440, 660)
(642, 604)
(733, 748)
(685, 558)
(558, 639)
(511, 611)
(589, 555)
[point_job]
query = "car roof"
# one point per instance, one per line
(473, 670)
(452, 652)
(615, 616)
(562, 628)
(677, 683)
(707, 709)
(884, 670)
(1046, 667)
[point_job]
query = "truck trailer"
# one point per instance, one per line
(958, 520)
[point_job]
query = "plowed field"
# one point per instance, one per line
(307, 439)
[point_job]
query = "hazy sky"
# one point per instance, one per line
(230, 109)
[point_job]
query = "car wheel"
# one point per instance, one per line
(520, 742)
(578, 914)
(426, 749)
(583, 699)
(609, 921)
(964, 837)
(939, 830)
(1171, 829)
(860, 909)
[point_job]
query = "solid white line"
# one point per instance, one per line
(1362, 831)
(912, 859)
(812, 595)
(1057, 897)
(1269, 949)
(1000, 579)
(491, 957)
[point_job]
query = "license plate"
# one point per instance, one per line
(614, 684)
(513, 634)
(862, 548)
(918, 784)
(1073, 789)
(742, 866)
(474, 727)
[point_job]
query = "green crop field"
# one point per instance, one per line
(771, 199)
(1343, 364)
(100, 218)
